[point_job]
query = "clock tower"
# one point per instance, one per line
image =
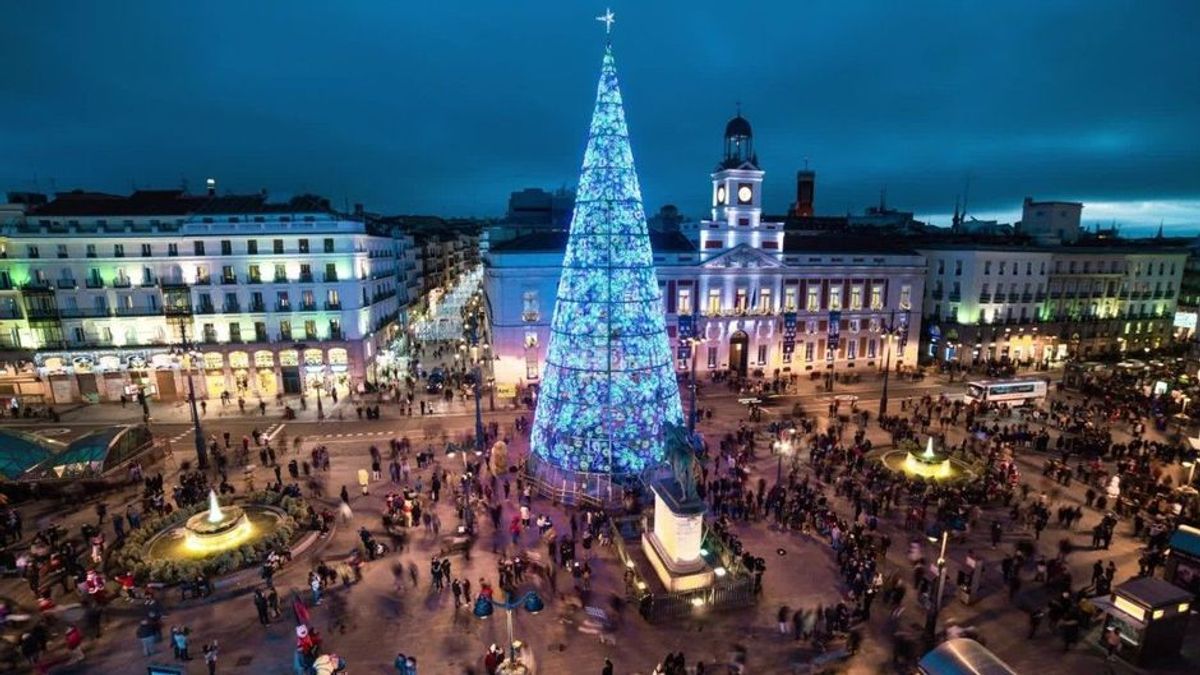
(737, 196)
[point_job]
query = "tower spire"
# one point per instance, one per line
(608, 386)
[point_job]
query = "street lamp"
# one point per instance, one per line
(783, 448)
(936, 606)
(484, 607)
(192, 356)
(889, 333)
(695, 345)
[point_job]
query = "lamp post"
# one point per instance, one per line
(484, 607)
(192, 355)
(889, 333)
(782, 448)
(695, 342)
(936, 606)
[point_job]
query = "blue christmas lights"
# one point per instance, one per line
(609, 384)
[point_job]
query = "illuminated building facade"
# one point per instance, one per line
(1047, 303)
(761, 298)
(99, 292)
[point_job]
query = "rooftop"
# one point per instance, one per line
(172, 203)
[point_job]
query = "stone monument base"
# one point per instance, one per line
(673, 548)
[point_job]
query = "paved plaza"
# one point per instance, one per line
(368, 622)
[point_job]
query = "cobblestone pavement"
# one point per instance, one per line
(371, 621)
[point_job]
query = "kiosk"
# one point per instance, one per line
(1183, 559)
(1150, 615)
(962, 656)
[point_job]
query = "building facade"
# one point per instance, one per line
(102, 296)
(758, 298)
(1047, 303)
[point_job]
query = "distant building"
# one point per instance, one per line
(1050, 222)
(668, 219)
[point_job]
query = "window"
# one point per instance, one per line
(1028, 269)
(260, 331)
(252, 246)
(255, 274)
(62, 250)
(941, 266)
(332, 299)
(91, 250)
(235, 332)
(685, 301)
(871, 348)
(855, 325)
(227, 274)
(877, 296)
(714, 301)
(285, 330)
(851, 349)
(335, 329)
(303, 244)
(957, 289)
(1001, 272)
(305, 272)
(835, 297)
(118, 250)
(201, 274)
(226, 247)
(331, 272)
(810, 326)
(789, 299)
(856, 297)
(147, 277)
(280, 272)
(809, 350)
(762, 355)
(256, 301)
(906, 297)
(282, 301)
(813, 302)
(310, 329)
(198, 247)
(277, 246)
(172, 250)
(529, 306)
(764, 301)
(146, 251)
(987, 267)
(740, 298)
(306, 300)
(328, 245)
(958, 268)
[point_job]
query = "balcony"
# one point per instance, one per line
(41, 313)
(281, 278)
(257, 306)
(985, 297)
(67, 284)
(1027, 297)
(230, 280)
(1014, 297)
(306, 278)
(333, 305)
(254, 279)
(308, 307)
(10, 313)
(206, 308)
(232, 307)
(285, 336)
(1039, 297)
(173, 283)
(337, 335)
(144, 310)
(37, 286)
(203, 281)
(178, 310)
(261, 336)
(331, 278)
(209, 337)
(283, 307)
(235, 338)
(952, 297)
(122, 282)
(84, 312)
(530, 317)
(6, 284)
(936, 294)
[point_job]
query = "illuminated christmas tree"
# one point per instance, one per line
(609, 383)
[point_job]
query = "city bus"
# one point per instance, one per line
(1013, 392)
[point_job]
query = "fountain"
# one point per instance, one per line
(216, 529)
(930, 464)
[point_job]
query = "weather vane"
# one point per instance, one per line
(607, 19)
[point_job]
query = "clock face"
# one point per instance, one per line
(745, 194)
(721, 194)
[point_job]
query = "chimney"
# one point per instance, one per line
(806, 180)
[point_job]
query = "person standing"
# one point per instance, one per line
(260, 604)
(608, 667)
(210, 657)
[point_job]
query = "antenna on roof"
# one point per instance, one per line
(183, 183)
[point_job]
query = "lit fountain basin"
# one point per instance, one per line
(929, 464)
(215, 531)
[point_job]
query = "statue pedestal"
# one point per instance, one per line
(673, 547)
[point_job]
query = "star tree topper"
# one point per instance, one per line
(607, 18)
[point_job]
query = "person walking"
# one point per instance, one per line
(145, 635)
(210, 657)
(260, 604)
